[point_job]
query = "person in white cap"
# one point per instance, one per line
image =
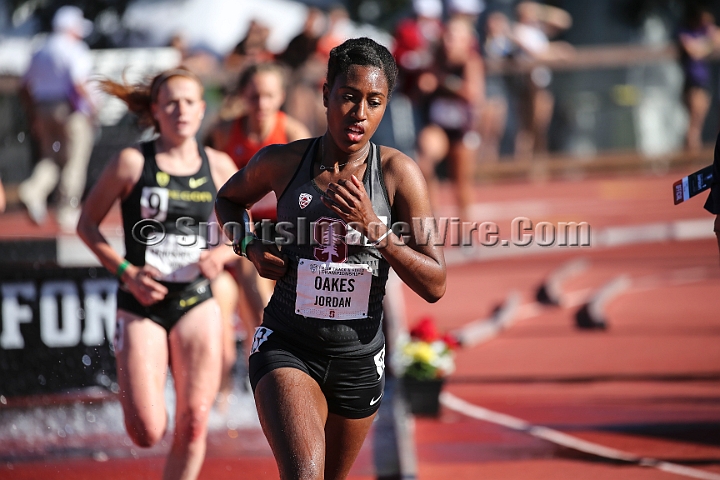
(61, 108)
(469, 8)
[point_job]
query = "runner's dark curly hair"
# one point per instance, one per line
(363, 52)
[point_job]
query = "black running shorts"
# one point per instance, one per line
(353, 386)
(167, 312)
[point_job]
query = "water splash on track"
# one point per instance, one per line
(96, 427)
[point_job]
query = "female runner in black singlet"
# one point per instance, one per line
(166, 312)
(317, 361)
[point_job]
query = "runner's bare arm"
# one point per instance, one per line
(116, 182)
(268, 170)
(420, 264)
(221, 166)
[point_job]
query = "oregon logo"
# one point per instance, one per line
(330, 234)
(162, 179)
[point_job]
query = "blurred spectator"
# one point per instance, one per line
(304, 92)
(416, 39)
(251, 49)
(304, 95)
(455, 89)
(2, 197)
(697, 37)
(305, 43)
(199, 62)
(304, 99)
(498, 46)
(536, 24)
(468, 8)
(337, 32)
(262, 90)
(55, 89)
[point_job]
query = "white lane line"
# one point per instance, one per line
(608, 237)
(483, 330)
(683, 470)
(569, 441)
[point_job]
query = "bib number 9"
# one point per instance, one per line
(154, 203)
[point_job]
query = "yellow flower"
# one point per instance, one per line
(425, 360)
(424, 353)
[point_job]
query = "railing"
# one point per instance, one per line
(596, 57)
(584, 58)
(603, 57)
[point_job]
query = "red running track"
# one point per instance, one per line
(648, 385)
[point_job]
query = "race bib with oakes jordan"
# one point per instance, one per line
(332, 291)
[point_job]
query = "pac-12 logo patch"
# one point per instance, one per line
(304, 200)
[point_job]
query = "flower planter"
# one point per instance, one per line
(423, 396)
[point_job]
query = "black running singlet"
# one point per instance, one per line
(330, 299)
(172, 207)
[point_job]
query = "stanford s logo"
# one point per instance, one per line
(304, 200)
(330, 234)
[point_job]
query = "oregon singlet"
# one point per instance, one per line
(173, 206)
(241, 148)
(330, 299)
